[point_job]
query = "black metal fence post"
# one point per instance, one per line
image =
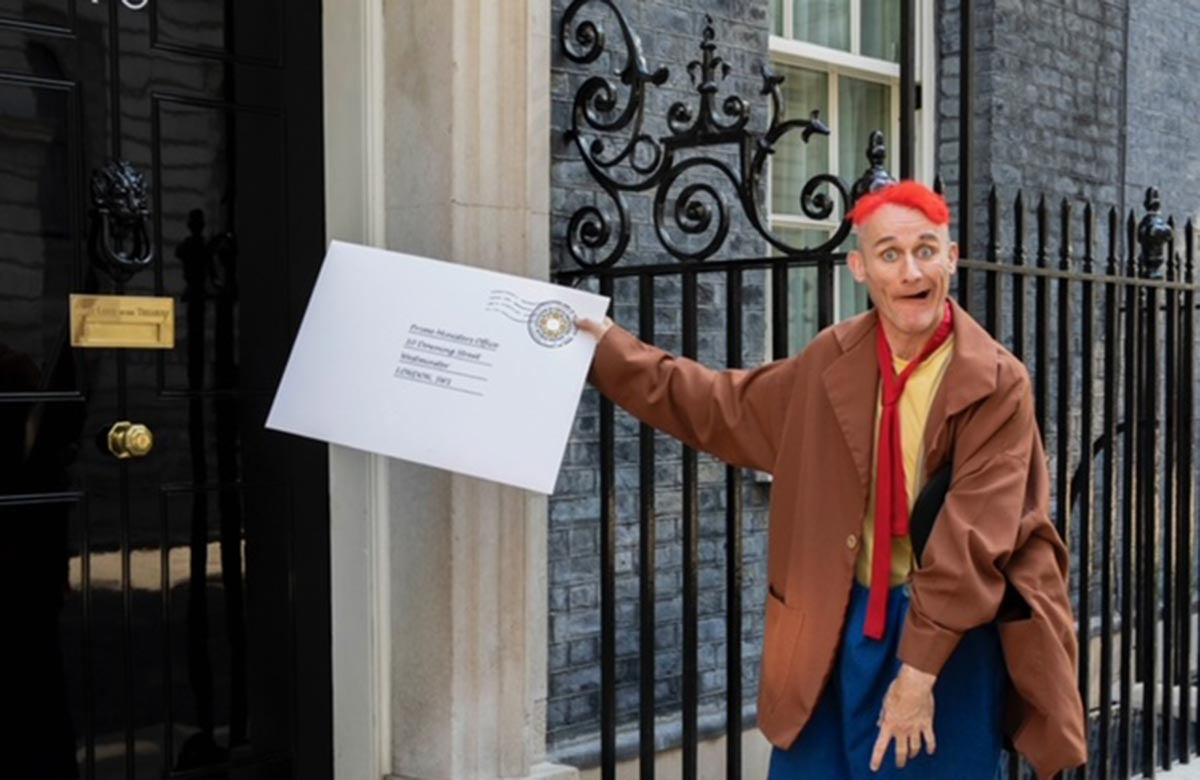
(1185, 504)
(1169, 529)
(1109, 497)
(647, 538)
(608, 600)
(1153, 234)
(1129, 495)
(1084, 441)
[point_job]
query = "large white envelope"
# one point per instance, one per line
(443, 364)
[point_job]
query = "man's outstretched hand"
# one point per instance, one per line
(907, 717)
(594, 329)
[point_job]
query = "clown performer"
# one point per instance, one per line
(879, 663)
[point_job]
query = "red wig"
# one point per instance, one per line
(909, 194)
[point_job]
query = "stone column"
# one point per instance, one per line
(466, 178)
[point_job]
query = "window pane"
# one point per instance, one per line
(777, 17)
(881, 29)
(794, 161)
(863, 106)
(826, 22)
(852, 297)
(802, 290)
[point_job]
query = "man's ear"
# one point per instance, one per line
(952, 256)
(857, 264)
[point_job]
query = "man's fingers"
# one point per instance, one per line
(881, 746)
(930, 740)
(902, 751)
(914, 745)
(594, 329)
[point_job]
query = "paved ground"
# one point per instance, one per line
(1181, 771)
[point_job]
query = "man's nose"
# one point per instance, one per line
(912, 268)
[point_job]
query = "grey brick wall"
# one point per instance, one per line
(1164, 104)
(1079, 100)
(1049, 101)
(670, 32)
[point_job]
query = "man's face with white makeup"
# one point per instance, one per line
(905, 261)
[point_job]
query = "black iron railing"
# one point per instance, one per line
(1117, 408)
(1104, 319)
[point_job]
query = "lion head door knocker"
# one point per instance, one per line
(118, 239)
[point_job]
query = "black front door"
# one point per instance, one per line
(164, 558)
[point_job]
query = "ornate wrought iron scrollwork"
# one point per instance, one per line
(690, 126)
(118, 238)
(608, 129)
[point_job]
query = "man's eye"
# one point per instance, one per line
(890, 255)
(925, 252)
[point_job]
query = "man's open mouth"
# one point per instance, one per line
(920, 296)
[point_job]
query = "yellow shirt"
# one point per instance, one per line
(915, 404)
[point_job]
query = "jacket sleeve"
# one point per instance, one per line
(736, 415)
(997, 504)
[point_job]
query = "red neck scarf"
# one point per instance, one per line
(891, 491)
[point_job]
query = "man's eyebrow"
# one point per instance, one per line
(930, 237)
(883, 240)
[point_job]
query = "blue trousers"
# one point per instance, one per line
(838, 740)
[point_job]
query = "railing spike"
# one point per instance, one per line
(1189, 254)
(1043, 230)
(1172, 260)
(1131, 244)
(1064, 249)
(1089, 237)
(1114, 227)
(993, 225)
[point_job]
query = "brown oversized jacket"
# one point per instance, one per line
(809, 421)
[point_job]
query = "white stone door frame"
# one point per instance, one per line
(352, 61)
(437, 142)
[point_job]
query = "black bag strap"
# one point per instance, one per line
(926, 508)
(925, 511)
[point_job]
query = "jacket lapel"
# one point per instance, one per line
(852, 381)
(970, 377)
(851, 384)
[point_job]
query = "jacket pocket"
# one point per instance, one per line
(783, 624)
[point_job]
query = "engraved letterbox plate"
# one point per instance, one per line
(122, 321)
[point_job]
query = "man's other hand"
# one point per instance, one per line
(907, 717)
(596, 330)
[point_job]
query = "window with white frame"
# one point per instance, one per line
(839, 57)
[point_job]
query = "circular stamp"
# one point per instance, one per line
(552, 324)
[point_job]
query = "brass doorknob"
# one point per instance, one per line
(130, 440)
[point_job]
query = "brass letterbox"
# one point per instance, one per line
(122, 321)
